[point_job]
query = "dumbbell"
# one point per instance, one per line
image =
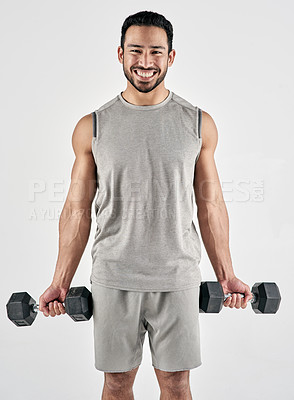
(266, 297)
(22, 308)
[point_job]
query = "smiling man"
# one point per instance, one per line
(149, 152)
(145, 78)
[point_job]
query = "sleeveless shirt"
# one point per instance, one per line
(146, 156)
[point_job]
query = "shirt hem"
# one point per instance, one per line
(191, 286)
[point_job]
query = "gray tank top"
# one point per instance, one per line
(146, 239)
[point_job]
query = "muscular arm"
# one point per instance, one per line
(75, 219)
(212, 212)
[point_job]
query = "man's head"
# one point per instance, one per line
(146, 47)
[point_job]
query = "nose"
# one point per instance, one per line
(145, 61)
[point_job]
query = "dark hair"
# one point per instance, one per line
(148, 18)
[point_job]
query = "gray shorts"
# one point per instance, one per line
(122, 317)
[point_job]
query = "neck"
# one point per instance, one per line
(133, 96)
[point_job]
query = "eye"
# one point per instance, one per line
(159, 52)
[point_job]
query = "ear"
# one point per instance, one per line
(120, 54)
(171, 57)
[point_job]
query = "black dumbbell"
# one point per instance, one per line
(22, 308)
(266, 297)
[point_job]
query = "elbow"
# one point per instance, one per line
(206, 209)
(77, 211)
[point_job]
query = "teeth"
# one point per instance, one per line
(145, 75)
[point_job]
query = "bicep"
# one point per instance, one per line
(206, 181)
(83, 184)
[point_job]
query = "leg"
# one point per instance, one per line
(174, 385)
(118, 334)
(173, 327)
(119, 385)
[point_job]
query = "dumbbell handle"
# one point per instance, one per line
(253, 300)
(36, 307)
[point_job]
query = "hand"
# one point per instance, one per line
(50, 302)
(235, 286)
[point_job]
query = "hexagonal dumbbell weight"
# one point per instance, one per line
(266, 297)
(22, 308)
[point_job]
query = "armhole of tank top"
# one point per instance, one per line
(199, 122)
(198, 130)
(94, 118)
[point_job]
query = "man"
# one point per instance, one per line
(146, 151)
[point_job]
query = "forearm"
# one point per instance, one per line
(214, 228)
(74, 230)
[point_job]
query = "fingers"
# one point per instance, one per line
(56, 308)
(43, 307)
(50, 302)
(52, 309)
(61, 308)
(228, 301)
(235, 301)
(247, 296)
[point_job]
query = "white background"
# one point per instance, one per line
(234, 59)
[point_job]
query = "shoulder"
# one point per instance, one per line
(82, 134)
(209, 131)
(185, 104)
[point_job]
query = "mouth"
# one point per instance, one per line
(145, 75)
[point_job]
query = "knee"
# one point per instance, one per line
(176, 382)
(121, 381)
(176, 387)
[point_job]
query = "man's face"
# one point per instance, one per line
(139, 58)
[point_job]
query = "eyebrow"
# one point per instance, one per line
(150, 47)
